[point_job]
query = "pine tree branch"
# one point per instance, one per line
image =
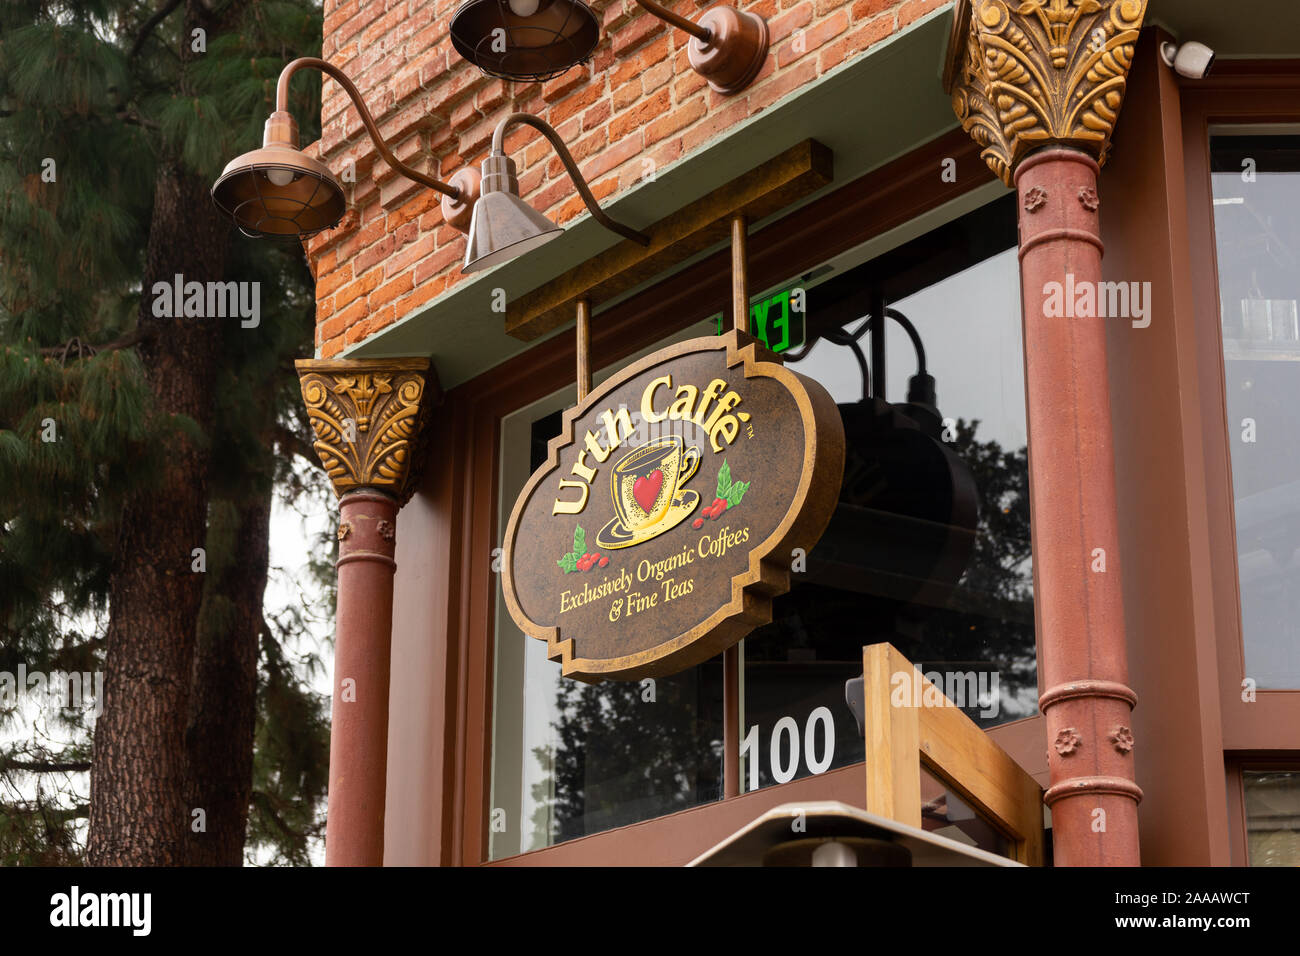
(265, 801)
(86, 350)
(149, 25)
(48, 813)
(45, 766)
(290, 441)
(133, 118)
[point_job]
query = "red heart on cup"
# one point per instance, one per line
(646, 489)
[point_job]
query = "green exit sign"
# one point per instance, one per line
(777, 320)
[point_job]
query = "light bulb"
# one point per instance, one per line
(280, 177)
(524, 8)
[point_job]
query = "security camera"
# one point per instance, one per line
(1192, 60)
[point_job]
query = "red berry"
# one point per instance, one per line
(697, 523)
(720, 504)
(604, 561)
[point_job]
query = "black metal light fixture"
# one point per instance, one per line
(279, 192)
(913, 505)
(533, 40)
(504, 225)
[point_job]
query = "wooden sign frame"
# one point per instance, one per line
(767, 571)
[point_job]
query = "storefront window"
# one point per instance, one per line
(1272, 818)
(1257, 230)
(929, 549)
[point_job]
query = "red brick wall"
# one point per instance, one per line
(637, 99)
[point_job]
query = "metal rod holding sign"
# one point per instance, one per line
(731, 656)
(583, 347)
(876, 308)
(739, 275)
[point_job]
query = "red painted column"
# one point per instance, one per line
(1082, 666)
(354, 833)
(368, 416)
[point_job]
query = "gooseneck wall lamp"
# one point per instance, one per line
(503, 225)
(280, 192)
(532, 40)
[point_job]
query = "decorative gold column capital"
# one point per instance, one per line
(368, 416)
(1029, 73)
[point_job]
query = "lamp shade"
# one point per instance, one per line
(279, 192)
(504, 226)
(524, 40)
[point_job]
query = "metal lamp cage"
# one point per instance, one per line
(534, 50)
(301, 217)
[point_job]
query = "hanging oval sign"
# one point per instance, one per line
(670, 509)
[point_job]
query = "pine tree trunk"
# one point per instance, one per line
(138, 812)
(223, 705)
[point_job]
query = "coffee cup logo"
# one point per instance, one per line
(649, 499)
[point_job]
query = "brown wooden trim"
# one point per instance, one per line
(1251, 75)
(451, 558)
(680, 837)
(1250, 92)
(467, 469)
(1154, 377)
(731, 722)
(1236, 814)
(893, 741)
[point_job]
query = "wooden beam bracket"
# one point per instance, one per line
(771, 186)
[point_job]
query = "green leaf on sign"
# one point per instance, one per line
(724, 480)
(736, 492)
(568, 563)
(579, 543)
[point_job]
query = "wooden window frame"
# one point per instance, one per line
(1238, 93)
(462, 488)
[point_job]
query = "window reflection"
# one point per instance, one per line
(1273, 818)
(929, 548)
(620, 753)
(1256, 183)
(948, 815)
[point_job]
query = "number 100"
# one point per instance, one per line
(788, 727)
